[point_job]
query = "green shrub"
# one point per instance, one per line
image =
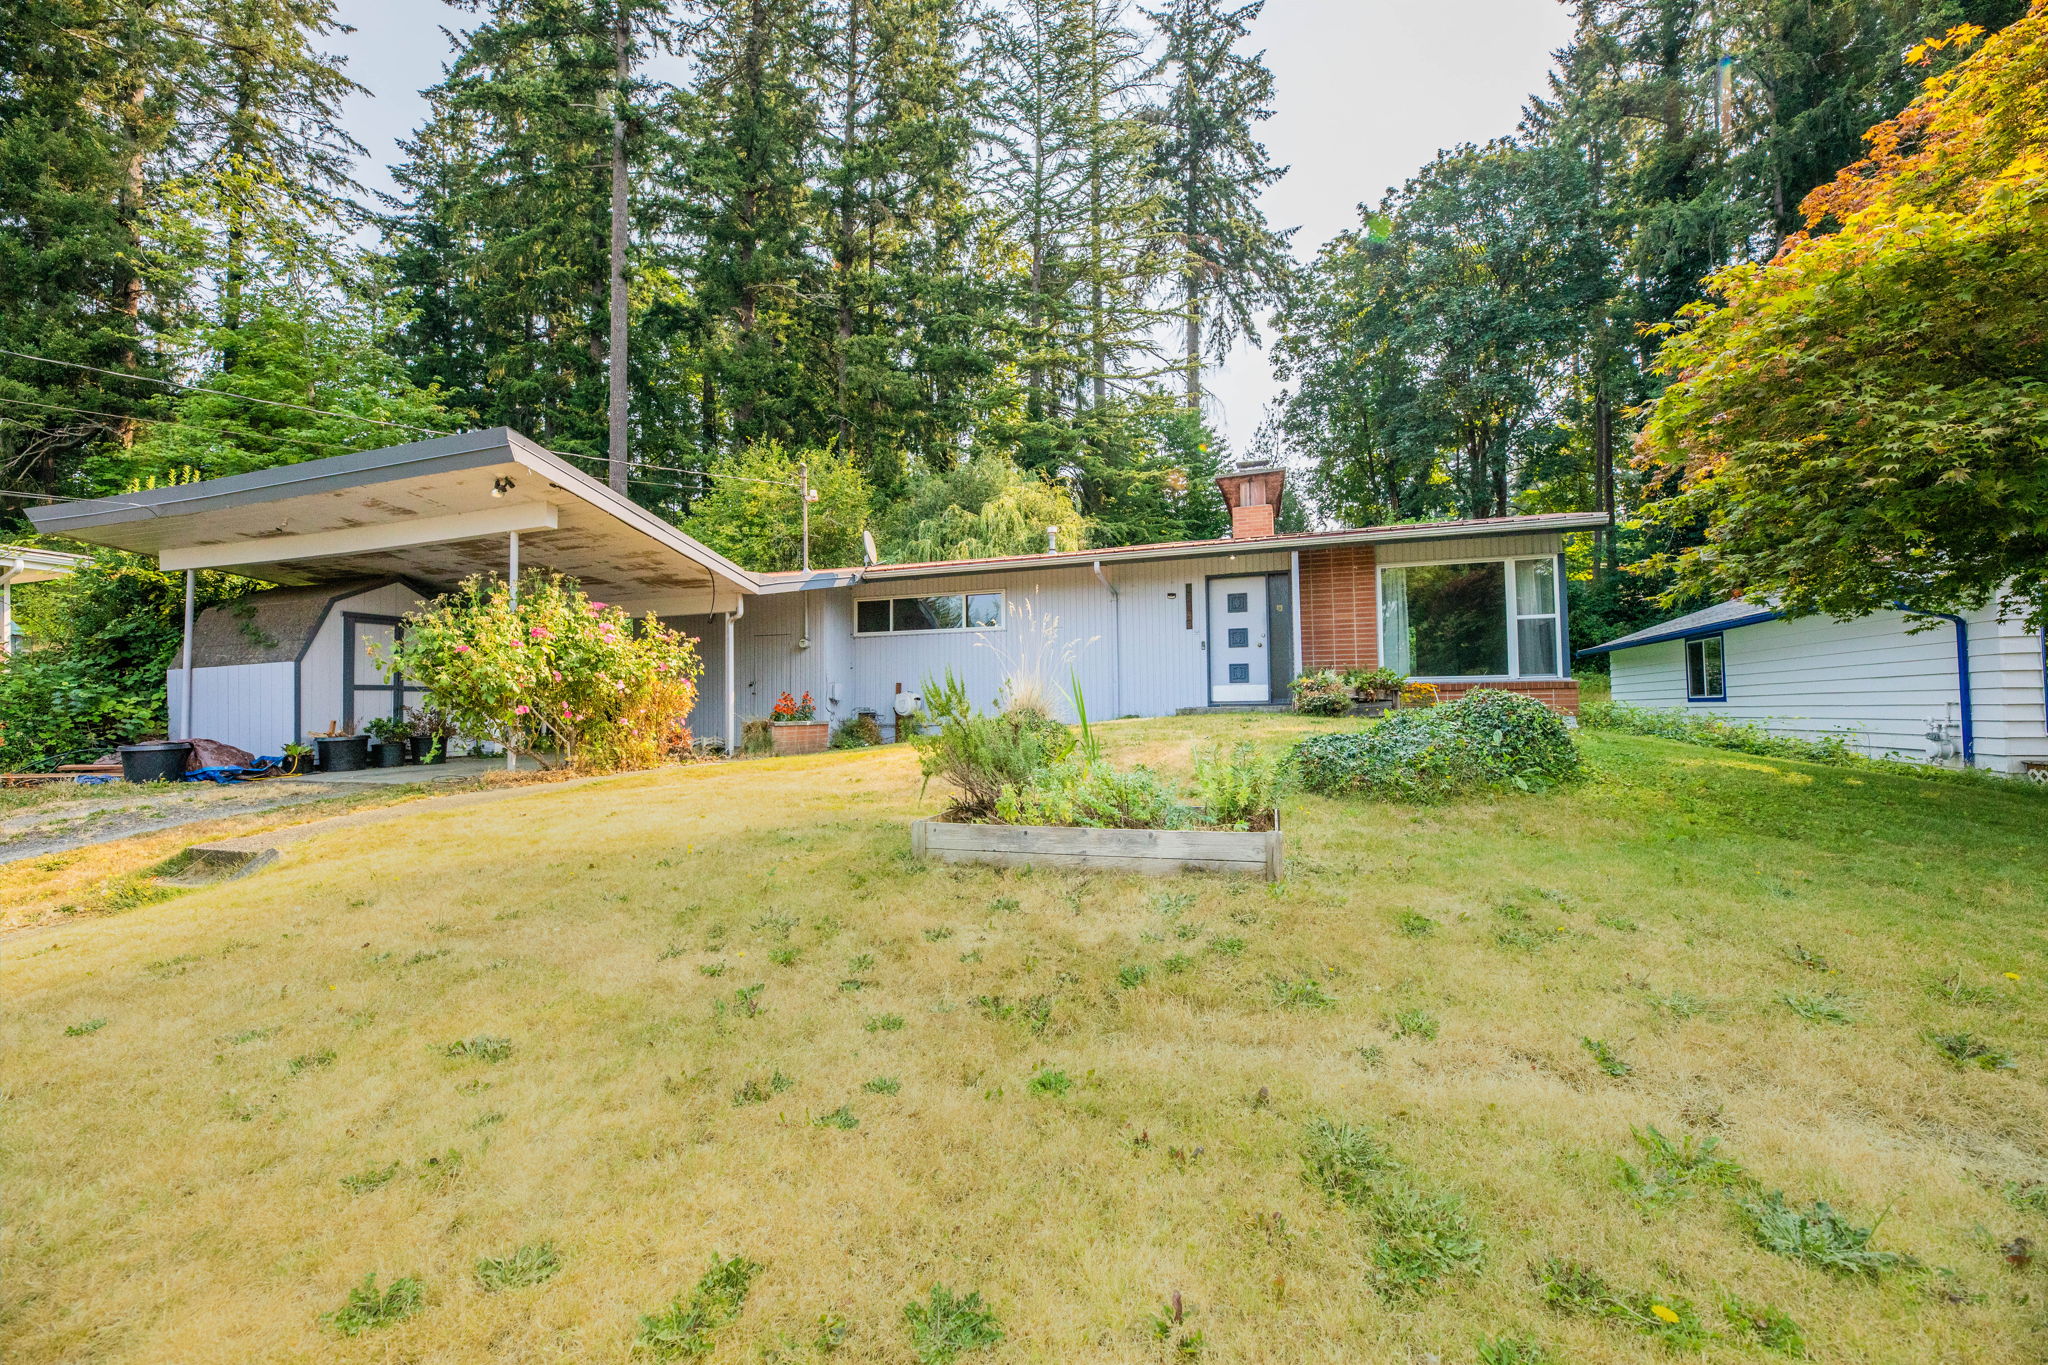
(1485, 738)
(1321, 694)
(1096, 795)
(1239, 788)
(980, 756)
(1712, 731)
(857, 732)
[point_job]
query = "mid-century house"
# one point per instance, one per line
(354, 542)
(1959, 689)
(27, 564)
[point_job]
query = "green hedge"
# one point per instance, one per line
(1482, 740)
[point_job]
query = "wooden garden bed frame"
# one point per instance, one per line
(1151, 852)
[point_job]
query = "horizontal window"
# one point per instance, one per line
(1486, 619)
(949, 611)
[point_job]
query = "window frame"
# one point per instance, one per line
(1720, 643)
(1002, 614)
(1511, 618)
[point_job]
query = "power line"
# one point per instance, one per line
(226, 393)
(181, 422)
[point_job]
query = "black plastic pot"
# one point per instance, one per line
(389, 753)
(343, 753)
(420, 749)
(160, 761)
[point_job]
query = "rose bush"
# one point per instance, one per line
(555, 673)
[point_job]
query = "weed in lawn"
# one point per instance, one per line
(79, 1030)
(783, 957)
(483, 1048)
(1416, 1023)
(884, 1023)
(1169, 1328)
(754, 1090)
(487, 1119)
(423, 956)
(438, 1171)
(859, 963)
(944, 1327)
(1576, 1288)
(1680, 1005)
(1619, 923)
(1813, 962)
(1372, 1057)
(745, 1003)
(883, 1085)
(1051, 1082)
(1514, 1351)
(2029, 1196)
(937, 935)
(1606, 1058)
(362, 1182)
(1818, 1236)
(1828, 1007)
(1226, 946)
(1512, 913)
(1766, 1326)
(684, 1330)
(1172, 903)
(1132, 975)
(171, 966)
(1003, 905)
(1187, 931)
(250, 1035)
(778, 925)
(310, 1061)
(842, 1118)
(1421, 1236)
(535, 1263)
(369, 1308)
(1966, 1049)
(670, 953)
(1301, 993)
(1414, 925)
(1953, 990)
(1521, 939)
(711, 968)
(1671, 1171)
(1176, 963)
(971, 956)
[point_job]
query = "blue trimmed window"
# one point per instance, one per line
(1706, 669)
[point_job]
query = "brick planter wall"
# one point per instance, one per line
(801, 737)
(1559, 694)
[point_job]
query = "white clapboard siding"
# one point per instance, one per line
(320, 701)
(1149, 852)
(1872, 679)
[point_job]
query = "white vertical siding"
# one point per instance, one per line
(246, 705)
(1871, 678)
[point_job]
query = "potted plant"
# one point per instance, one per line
(298, 758)
(1369, 685)
(342, 750)
(430, 730)
(391, 734)
(797, 727)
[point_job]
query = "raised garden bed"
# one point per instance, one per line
(801, 737)
(1150, 852)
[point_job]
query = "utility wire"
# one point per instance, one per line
(226, 393)
(180, 422)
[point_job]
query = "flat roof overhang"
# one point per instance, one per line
(1209, 549)
(433, 512)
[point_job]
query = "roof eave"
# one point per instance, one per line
(1687, 633)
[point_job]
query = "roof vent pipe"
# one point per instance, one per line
(1052, 540)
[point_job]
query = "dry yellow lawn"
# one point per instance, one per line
(173, 1179)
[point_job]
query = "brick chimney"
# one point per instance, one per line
(1252, 492)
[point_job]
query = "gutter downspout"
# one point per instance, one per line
(1962, 675)
(512, 600)
(1116, 638)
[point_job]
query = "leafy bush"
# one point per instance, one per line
(555, 671)
(1239, 788)
(1485, 738)
(1712, 732)
(1096, 795)
(980, 756)
(1321, 694)
(857, 732)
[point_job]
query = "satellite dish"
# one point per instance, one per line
(867, 549)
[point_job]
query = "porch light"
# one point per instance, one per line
(501, 485)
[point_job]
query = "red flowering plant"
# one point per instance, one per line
(556, 674)
(789, 711)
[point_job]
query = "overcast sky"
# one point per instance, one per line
(1368, 91)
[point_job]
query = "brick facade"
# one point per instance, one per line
(1339, 609)
(1340, 626)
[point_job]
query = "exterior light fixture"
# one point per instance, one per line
(501, 485)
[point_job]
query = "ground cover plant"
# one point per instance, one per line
(1481, 740)
(1071, 1160)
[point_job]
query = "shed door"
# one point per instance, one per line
(365, 692)
(1238, 666)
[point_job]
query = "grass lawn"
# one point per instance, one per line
(538, 1063)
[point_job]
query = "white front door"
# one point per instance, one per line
(1239, 670)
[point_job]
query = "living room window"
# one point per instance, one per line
(1495, 618)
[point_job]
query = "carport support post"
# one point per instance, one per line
(185, 661)
(732, 747)
(512, 577)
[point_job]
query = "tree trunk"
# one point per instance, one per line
(618, 406)
(849, 228)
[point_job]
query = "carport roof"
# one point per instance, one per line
(432, 512)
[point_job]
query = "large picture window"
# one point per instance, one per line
(1488, 619)
(948, 611)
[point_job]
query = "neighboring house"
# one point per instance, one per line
(27, 564)
(1956, 689)
(356, 541)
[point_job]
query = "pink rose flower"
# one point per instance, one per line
(519, 710)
